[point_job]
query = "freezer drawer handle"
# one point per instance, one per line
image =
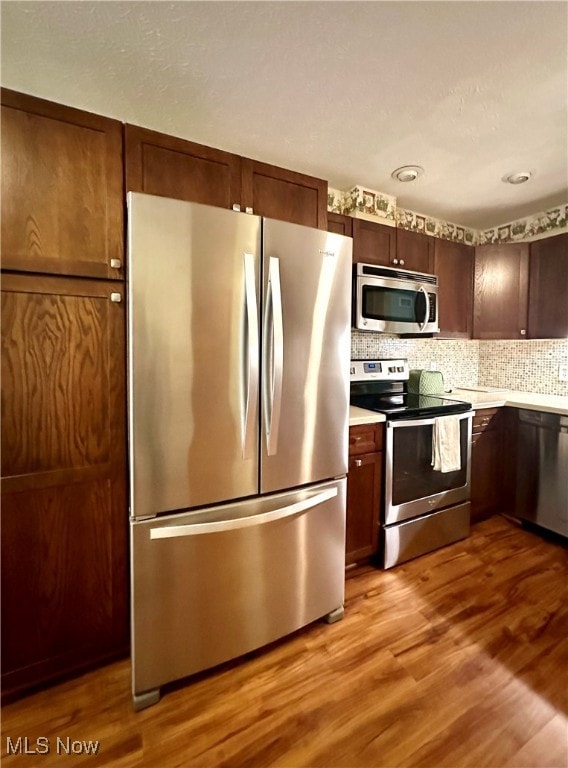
(252, 342)
(197, 529)
(273, 355)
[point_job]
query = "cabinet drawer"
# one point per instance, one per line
(488, 418)
(365, 438)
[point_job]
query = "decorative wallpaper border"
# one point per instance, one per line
(537, 224)
(417, 222)
(359, 200)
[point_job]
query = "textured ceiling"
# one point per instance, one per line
(347, 91)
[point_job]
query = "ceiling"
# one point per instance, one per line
(347, 91)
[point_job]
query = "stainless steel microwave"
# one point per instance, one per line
(395, 301)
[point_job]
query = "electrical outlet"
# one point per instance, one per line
(563, 372)
(433, 365)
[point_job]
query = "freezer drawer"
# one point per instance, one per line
(211, 585)
(412, 538)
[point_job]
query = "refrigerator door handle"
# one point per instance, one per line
(273, 356)
(197, 529)
(251, 363)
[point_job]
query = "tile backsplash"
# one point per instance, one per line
(527, 366)
(458, 360)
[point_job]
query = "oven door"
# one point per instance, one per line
(413, 487)
(395, 306)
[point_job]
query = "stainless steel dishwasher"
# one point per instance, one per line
(542, 470)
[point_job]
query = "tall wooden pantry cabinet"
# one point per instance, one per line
(64, 511)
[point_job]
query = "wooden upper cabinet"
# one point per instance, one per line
(64, 511)
(340, 224)
(501, 291)
(453, 264)
(62, 192)
(414, 250)
(164, 165)
(548, 288)
(281, 194)
(373, 243)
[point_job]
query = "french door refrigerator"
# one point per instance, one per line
(238, 343)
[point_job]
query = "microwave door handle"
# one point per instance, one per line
(251, 363)
(427, 312)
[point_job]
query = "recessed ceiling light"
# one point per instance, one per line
(518, 178)
(407, 173)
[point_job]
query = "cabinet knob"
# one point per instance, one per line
(248, 210)
(236, 207)
(116, 297)
(523, 332)
(401, 262)
(358, 463)
(115, 263)
(395, 261)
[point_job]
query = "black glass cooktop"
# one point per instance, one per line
(408, 406)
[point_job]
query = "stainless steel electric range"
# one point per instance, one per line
(423, 508)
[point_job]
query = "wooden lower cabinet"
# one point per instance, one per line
(364, 493)
(487, 464)
(64, 510)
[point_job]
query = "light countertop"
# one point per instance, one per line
(529, 400)
(362, 416)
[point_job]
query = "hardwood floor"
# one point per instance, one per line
(456, 659)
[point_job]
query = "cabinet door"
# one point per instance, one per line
(486, 450)
(501, 291)
(364, 484)
(414, 250)
(548, 288)
(64, 514)
(164, 165)
(453, 264)
(281, 194)
(62, 196)
(373, 243)
(340, 224)
(488, 481)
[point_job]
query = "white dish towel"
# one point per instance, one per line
(446, 448)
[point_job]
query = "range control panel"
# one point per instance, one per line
(379, 370)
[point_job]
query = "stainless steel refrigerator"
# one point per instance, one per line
(239, 344)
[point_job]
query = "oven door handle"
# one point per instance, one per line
(421, 289)
(425, 422)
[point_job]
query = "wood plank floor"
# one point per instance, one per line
(456, 659)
